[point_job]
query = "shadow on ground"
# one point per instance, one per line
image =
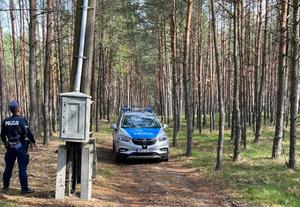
(106, 155)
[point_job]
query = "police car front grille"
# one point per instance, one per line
(142, 142)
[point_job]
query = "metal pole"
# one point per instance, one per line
(81, 46)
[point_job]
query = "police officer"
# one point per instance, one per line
(14, 131)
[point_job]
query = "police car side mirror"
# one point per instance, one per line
(113, 126)
(165, 126)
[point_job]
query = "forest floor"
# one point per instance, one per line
(256, 179)
(143, 183)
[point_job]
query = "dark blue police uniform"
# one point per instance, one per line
(14, 131)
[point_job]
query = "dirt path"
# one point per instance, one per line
(125, 184)
(148, 183)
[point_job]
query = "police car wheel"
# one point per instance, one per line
(165, 159)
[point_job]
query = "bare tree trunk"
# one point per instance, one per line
(86, 80)
(13, 36)
(220, 92)
(236, 114)
(174, 69)
(61, 61)
(53, 94)
(103, 91)
(211, 73)
(47, 71)
(262, 79)
(294, 74)
(2, 79)
(187, 80)
(109, 86)
(32, 67)
(23, 89)
(242, 75)
(277, 145)
(200, 73)
(257, 65)
(100, 87)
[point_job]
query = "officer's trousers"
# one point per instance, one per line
(23, 159)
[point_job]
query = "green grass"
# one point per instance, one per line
(105, 172)
(256, 179)
(5, 204)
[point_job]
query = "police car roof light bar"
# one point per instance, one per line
(126, 109)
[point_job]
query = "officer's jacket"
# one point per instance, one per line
(15, 129)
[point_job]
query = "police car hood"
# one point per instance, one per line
(142, 133)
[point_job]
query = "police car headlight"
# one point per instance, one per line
(124, 138)
(163, 138)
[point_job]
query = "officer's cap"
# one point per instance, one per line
(13, 106)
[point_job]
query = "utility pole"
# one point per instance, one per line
(81, 73)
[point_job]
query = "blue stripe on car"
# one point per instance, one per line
(142, 133)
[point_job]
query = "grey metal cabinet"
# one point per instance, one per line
(75, 117)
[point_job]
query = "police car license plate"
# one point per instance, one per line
(141, 150)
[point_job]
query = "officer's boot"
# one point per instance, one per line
(28, 191)
(5, 189)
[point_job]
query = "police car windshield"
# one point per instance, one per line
(140, 121)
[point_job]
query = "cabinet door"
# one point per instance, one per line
(73, 118)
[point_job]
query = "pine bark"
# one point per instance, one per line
(294, 74)
(33, 67)
(174, 69)
(220, 92)
(47, 71)
(236, 106)
(257, 69)
(14, 49)
(277, 143)
(60, 50)
(262, 79)
(187, 80)
(2, 79)
(200, 72)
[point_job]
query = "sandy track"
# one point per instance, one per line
(147, 183)
(142, 183)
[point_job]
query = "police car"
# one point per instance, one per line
(138, 134)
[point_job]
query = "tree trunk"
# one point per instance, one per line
(86, 79)
(60, 50)
(200, 72)
(220, 92)
(262, 79)
(187, 80)
(257, 105)
(236, 114)
(13, 36)
(277, 145)
(47, 71)
(2, 79)
(174, 69)
(294, 74)
(23, 89)
(33, 67)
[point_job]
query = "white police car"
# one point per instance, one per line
(138, 134)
